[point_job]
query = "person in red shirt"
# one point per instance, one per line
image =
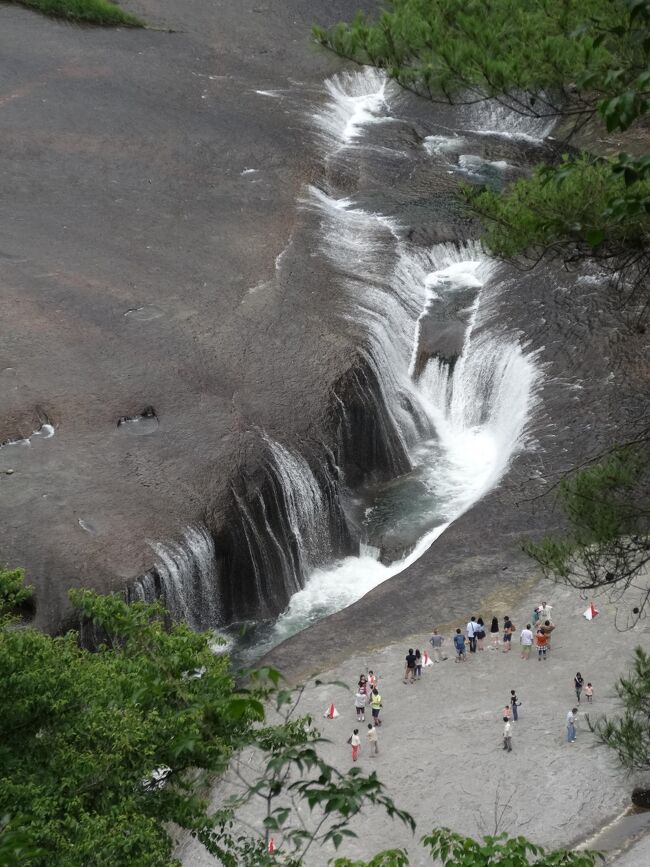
(541, 641)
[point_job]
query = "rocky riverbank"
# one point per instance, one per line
(440, 742)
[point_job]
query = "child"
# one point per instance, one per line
(372, 680)
(418, 664)
(506, 711)
(507, 735)
(360, 701)
(373, 740)
(355, 742)
(589, 691)
(363, 684)
(459, 644)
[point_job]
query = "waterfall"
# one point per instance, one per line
(457, 394)
(283, 528)
(356, 99)
(424, 424)
(362, 248)
(492, 117)
(184, 578)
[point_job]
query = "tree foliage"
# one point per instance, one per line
(629, 734)
(456, 850)
(607, 543)
(81, 732)
(103, 753)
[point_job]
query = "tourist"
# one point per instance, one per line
(436, 642)
(418, 664)
(571, 725)
(355, 742)
(372, 680)
(360, 701)
(514, 704)
(459, 644)
(547, 628)
(544, 611)
(506, 712)
(373, 740)
(362, 686)
(494, 631)
(480, 635)
(578, 683)
(508, 629)
(540, 641)
(526, 641)
(507, 735)
(375, 703)
(589, 691)
(471, 634)
(409, 671)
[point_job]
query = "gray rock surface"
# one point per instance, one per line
(149, 193)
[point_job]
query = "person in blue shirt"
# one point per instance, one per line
(459, 644)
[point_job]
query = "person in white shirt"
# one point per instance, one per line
(526, 641)
(507, 735)
(360, 702)
(373, 740)
(472, 629)
(571, 725)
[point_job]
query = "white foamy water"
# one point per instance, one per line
(439, 145)
(356, 99)
(338, 586)
(459, 423)
(460, 427)
(475, 165)
(493, 118)
(187, 572)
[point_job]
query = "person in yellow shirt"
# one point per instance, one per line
(375, 703)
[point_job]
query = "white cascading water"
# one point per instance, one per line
(355, 101)
(187, 572)
(461, 426)
(491, 117)
(306, 541)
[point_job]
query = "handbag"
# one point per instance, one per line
(350, 739)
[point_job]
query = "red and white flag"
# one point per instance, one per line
(591, 612)
(426, 659)
(331, 712)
